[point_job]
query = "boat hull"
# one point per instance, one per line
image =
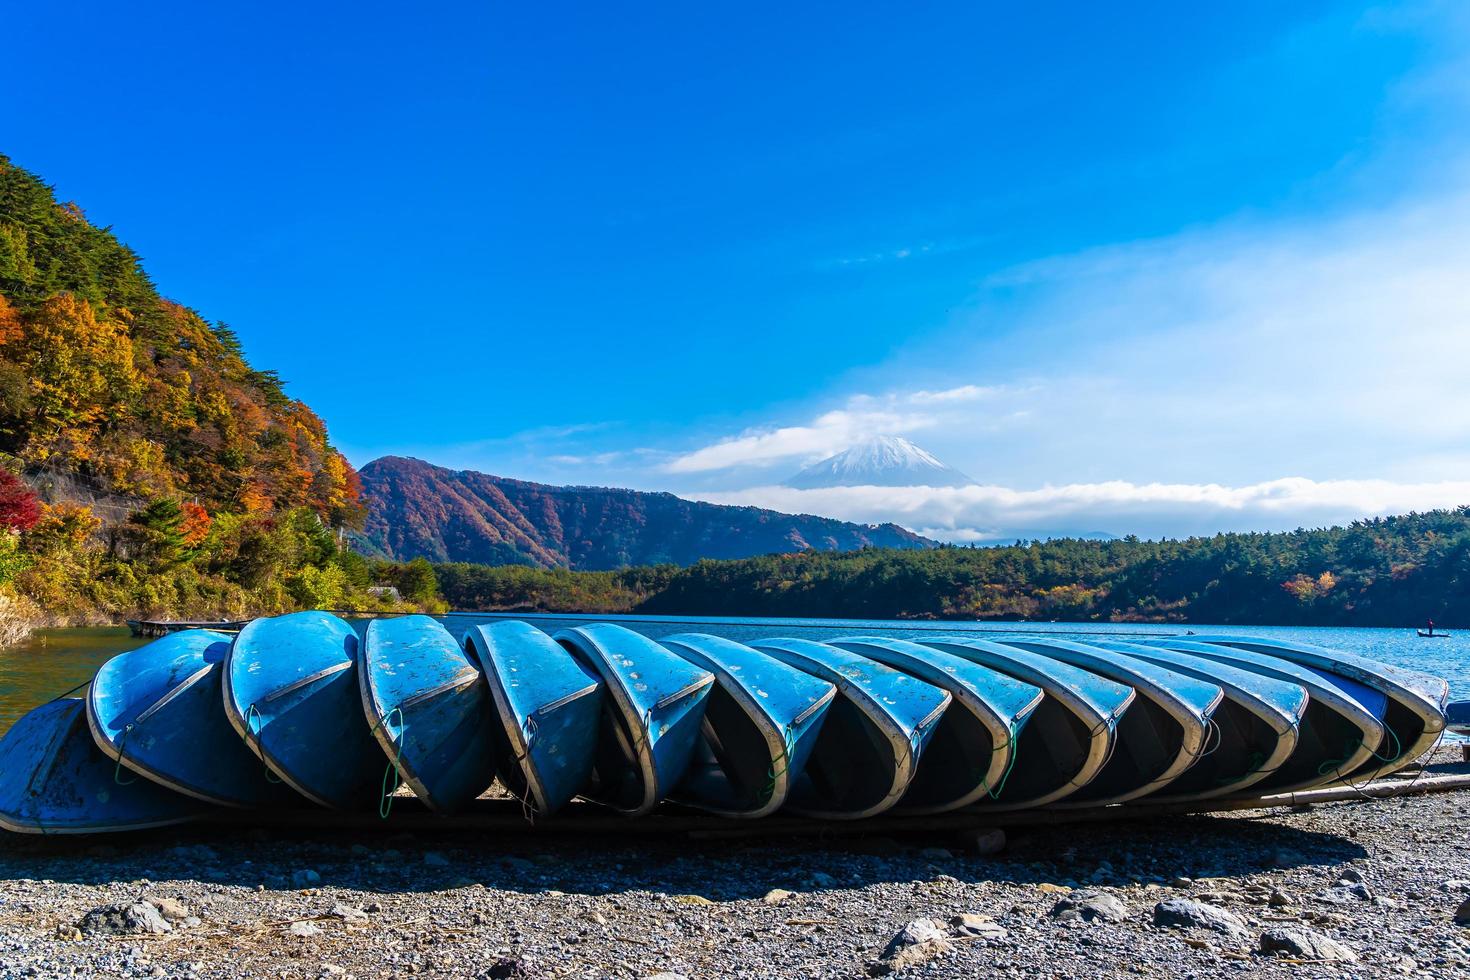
(654, 708)
(55, 780)
(760, 727)
(974, 747)
(158, 710)
(291, 693)
(547, 705)
(429, 708)
(870, 745)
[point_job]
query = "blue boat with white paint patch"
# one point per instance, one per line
(1257, 725)
(653, 710)
(1342, 726)
(54, 780)
(290, 691)
(869, 748)
(1160, 736)
(760, 725)
(1071, 735)
(974, 747)
(1415, 718)
(426, 702)
(158, 711)
(548, 706)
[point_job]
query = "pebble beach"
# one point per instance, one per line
(1362, 887)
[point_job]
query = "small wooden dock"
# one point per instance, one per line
(163, 627)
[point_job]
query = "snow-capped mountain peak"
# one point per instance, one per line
(879, 461)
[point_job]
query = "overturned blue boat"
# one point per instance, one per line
(55, 780)
(869, 748)
(291, 693)
(1339, 731)
(1070, 736)
(1415, 719)
(651, 719)
(427, 704)
(760, 727)
(1256, 726)
(548, 706)
(973, 749)
(1161, 735)
(158, 711)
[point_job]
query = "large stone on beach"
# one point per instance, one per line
(1462, 914)
(123, 920)
(1182, 913)
(918, 942)
(1301, 943)
(1088, 904)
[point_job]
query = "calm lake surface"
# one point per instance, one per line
(53, 661)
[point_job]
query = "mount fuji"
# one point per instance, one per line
(879, 461)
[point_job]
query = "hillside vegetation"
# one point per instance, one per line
(159, 472)
(1384, 572)
(419, 510)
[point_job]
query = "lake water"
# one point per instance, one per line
(53, 661)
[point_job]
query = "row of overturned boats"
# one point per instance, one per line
(301, 710)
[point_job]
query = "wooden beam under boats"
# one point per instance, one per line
(586, 819)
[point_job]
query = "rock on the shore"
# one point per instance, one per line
(971, 925)
(918, 942)
(1088, 904)
(1184, 913)
(777, 895)
(1303, 943)
(170, 908)
(122, 920)
(1462, 914)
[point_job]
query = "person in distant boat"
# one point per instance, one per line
(1431, 627)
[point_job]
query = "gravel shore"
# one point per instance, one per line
(1367, 888)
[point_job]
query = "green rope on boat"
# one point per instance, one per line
(117, 763)
(1257, 760)
(772, 774)
(999, 788)
(1335, 765)
(385, 802)
(1398, 748)
(252, 714)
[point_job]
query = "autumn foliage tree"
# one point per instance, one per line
(19, 510)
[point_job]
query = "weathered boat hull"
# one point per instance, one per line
(1161, 735)
(760, 726)
(1071, 735)
(869, 748)
(1415, 718)
(55, 780)
(291, 692)
(1258, 724)
(1342, 726)
(974, 746)
(427, 704)
(157, 710)
(548, 705)
(654, 707)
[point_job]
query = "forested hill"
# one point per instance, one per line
(417, 510)
(145, 467)
(111, 390)
(1393, 571)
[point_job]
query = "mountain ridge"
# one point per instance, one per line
(418, 509)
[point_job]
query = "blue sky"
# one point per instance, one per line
(1153, 268)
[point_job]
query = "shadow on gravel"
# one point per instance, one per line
(1102, 854)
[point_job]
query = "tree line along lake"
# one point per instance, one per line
(52, 662)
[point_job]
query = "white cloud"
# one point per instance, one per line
(1118, 507)
(891, 413)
